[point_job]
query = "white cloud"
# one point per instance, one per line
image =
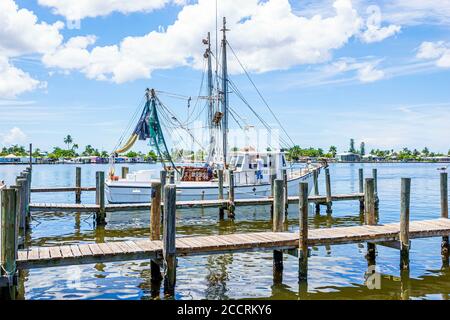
(266, 35)
(14, 81)
(21, 33)
(14, 136)
(369, 73)
(437, 51)
(377, 34)
(413, 12)
(80, 9)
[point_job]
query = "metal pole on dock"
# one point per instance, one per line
(405, 197)
(100, 197)
(78, 185)
(316, 188)
(169, 234)
(278, 220)
(328, 188)
(8, 241)
(155, 228)
(220, 178)
(369, 215)
(231, 206)
(125, 171)
(303, 237)
(444, 214)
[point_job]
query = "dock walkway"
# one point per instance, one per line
(186, 204)
(37, 257)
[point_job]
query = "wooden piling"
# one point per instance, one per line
(155, 228)
(172, 177)
(285, 192)
(163, 179)
(278, 220)
(369, 205)
(169, 234)
(361, 180)
(272, 179)
(278, 205)
(405, 196)
(303, 237)
(125, 171)
(361, 188)
(100, 198)
(369, 216)
(328, 190)
(316, 188)
(78, 185)
(444, 214)
(155, 212)
(221, 208)
(375, 178)
(8, 240)
(231, 206)
(21, 196)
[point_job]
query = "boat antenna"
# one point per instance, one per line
(225, 102)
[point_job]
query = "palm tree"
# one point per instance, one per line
(333, 151)
(68, 141)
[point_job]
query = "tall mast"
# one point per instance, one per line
(225, 91)
(210, 83)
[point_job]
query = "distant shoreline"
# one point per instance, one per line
(298, 162)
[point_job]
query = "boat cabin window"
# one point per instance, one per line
(283, 159)
(239, 161)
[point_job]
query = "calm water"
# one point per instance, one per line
(335, 272)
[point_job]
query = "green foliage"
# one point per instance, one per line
(151, 156)
(362, 149)
(15, 149)
(68, 141)
(132, 154)
(352, 146)
(332, 151)
(296, 152)
(62, 153)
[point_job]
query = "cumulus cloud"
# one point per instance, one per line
(21, 33)
(437, 51)
(14, 81)
(266, 35)
(374, 31)
(13, 136)
(80, 9)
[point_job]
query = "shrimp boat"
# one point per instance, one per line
(253, 170)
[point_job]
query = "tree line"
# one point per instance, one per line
(71, 151)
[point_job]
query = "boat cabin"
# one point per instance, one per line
(245, 165)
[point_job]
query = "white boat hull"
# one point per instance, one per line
(118, 192)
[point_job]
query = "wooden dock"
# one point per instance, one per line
(36, 257)
(69, 207)
(163, 246)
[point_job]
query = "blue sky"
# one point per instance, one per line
(331, 70)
